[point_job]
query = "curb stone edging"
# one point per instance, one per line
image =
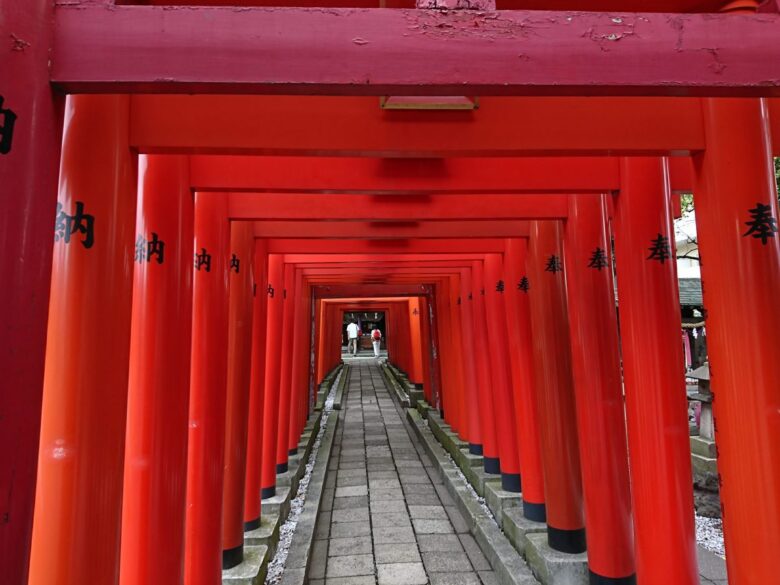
(507, 563)
(296, 568)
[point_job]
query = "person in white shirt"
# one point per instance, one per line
(376, 340)
(352, 337)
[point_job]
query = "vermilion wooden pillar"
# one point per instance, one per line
(285, 339)
(297, 376)
(413, 312)
(274, 291)
(256, 386)
(599, 391)
(203, 559)
(79, 493)
(153, 511)
(554, 389)
(737, 219)
(31, 122)
(506, 426)
(457, 351)
(522, 363)
(427, 361)
(238, 390)
(656, 404)
(490, 450)
(472, 397)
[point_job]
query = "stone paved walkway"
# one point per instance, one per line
(386, 519)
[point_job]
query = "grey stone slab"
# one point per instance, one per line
(422, 499)
(488, 578)
(456, 518)
(356, 490)
(350, 502)
(454, 579)
(402, 574)
(386, 494)
(443, 562)
(319, 559)
(711, 566)
(396, 553)
(350, 566)
(357, 472)
(327, 499)
(344, 529)
(350, 515)
(384, 506)
(390, 519)
(439, 543)
(428, 526)
(429, 512)
(351, 545)
(392, 534)
(478, 560)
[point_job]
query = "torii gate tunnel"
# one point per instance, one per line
(226, 178)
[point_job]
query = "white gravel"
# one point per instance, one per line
(709, 534)
(286, 532)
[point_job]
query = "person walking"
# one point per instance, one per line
(376, 340)
(352, 338)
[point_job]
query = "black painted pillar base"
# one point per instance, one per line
(267, 492)
(252, 525)
(475, 449)
(567, 541)
(232, 557)
(510, 482)
(535, 512)
(492, 465)
(596, 579)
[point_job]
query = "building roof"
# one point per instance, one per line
(690, 292)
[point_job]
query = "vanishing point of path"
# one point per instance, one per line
(386, 518)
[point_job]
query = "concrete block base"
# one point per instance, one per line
(278, 505)
(266, 535)
(552, 567)
(498, 499)
(517, 527)
(252, 570)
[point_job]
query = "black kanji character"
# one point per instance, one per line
(459, 300)
(234, 263)
(471, 296)
(660, 250)
(155, 247)
(553, 264)
(270, 291)
(415, 312)
(482, 292)
(523, 285)
(66, 225)
(762, 224)
(7, 128)
(598, 259)
(500, 286)
(203, 259)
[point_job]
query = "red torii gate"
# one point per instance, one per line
(79, 33)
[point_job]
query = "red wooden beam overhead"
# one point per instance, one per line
(390, 230)
(386, 247)
(403, 208)
(416, 175)
(113, 49)
(597, 5)
(370, 290)
(356, 126)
